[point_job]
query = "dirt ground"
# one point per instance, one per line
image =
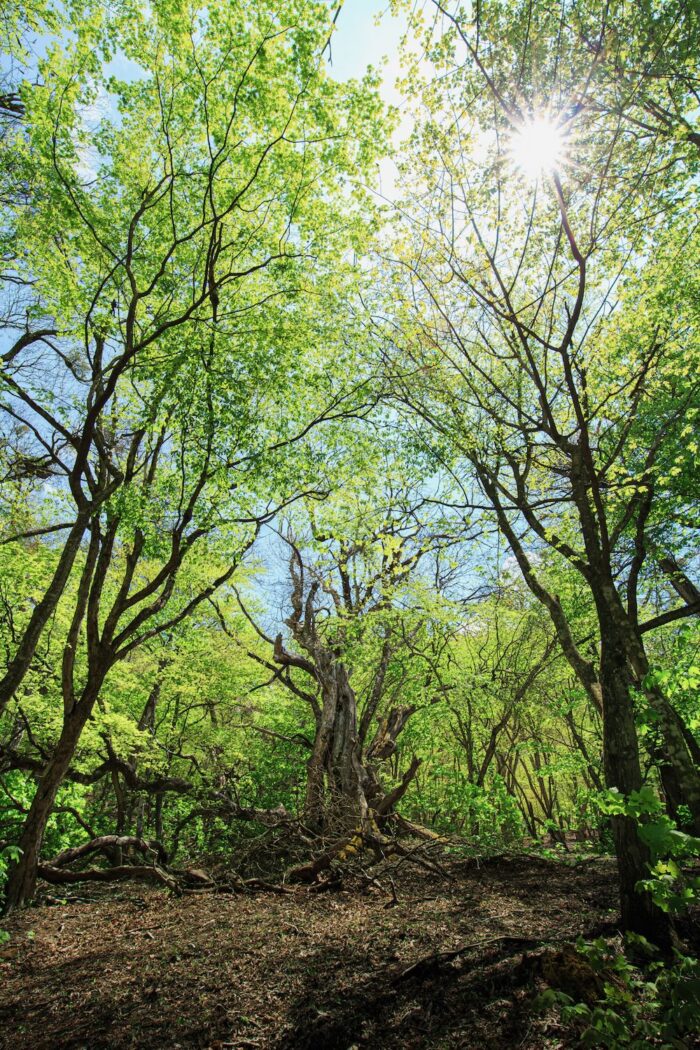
(129, 966)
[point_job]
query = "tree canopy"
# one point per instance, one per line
(336, 519)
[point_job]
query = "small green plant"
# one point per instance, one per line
(647, 1003)
(8, 854)
(671, 888)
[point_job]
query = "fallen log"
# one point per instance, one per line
(184, 880)
(346, 846)
(418, 830)
(57, 870)
(368, 835)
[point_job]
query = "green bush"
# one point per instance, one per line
(651, 1004)
(8, 854)
(671, 888)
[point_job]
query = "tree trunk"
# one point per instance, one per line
(679, 755)
(22, 881)
(672, 793)
(342, 783)
(678, 759)
(43, 610)
(159, 818)
(335, 793)
(622, 771)
(118, 857)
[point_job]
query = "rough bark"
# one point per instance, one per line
(335, 792)
(22, 880)
(623, 771)
(384, 744)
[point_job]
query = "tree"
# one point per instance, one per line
(542, 332)
(365, 634)
(145, 245)
(168, 286)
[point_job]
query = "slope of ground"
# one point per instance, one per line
(132, 967)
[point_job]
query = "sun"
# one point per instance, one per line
(538, 147)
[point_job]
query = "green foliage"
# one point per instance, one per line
(8, 854)
(646, 1002)
(672, 889)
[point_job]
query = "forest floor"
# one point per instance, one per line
(129, 966)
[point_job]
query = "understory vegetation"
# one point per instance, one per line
(348, 535)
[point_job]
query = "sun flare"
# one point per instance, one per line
(538, 147)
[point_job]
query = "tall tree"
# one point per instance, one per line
(175, 225)
(160, 213)
(363, 639)
(547, 320)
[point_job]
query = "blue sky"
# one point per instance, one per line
(360, 40)
(357, 42)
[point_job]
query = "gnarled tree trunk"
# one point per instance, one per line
(343, 783)
(336, 780)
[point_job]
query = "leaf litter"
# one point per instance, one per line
(439, 963)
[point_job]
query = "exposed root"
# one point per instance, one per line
(117, 874)
(347, 856)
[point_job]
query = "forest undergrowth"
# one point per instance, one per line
(449, 961)
(465, 952)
